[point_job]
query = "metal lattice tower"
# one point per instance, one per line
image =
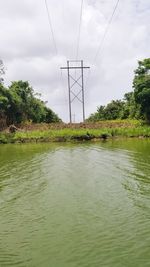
(72, 81)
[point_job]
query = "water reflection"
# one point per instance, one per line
(134, 163)
(75, 205)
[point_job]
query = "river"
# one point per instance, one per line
(75, 205)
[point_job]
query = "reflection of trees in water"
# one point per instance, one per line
(135, 167)
(137, 181)
(19, 163)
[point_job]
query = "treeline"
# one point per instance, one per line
(135, 105)
(117, 109)
(19, 103)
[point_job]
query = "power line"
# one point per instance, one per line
(104, 37)
(79, 33)
(51, 28)
(106, 31)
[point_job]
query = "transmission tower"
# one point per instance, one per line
(72, 81)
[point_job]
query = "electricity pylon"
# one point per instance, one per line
(76, 81)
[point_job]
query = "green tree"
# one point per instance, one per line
(51, 116)
(98, 115)
(4, 103)
(113, 110)
(131, 108)
(2, 71)
(3, 98)
(141, 85)
(19, 103)
(20, 98)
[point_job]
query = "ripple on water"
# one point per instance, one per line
(75, 205)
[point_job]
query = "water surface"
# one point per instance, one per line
(84, 205)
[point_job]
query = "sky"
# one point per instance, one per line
(28, 49)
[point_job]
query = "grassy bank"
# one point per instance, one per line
(73, 134)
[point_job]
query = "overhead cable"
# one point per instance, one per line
(106, 31)
(104, 37)
(51, 28)
(79, 32)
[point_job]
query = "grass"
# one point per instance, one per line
(74, 134)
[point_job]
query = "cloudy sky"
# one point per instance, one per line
(28, 51)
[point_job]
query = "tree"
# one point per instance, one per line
(4, 102)
(3, 98)
(19, 103)
(130, 109)
(141, 85)
(21, 96)
(111, 111)
(51, 116)
(2, 71)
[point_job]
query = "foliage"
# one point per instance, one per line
(2, 71)
(19, 103)
(69, 134)
(112, 111)
(130, 108)
(141, 85)
(118, 109)
(135, 105)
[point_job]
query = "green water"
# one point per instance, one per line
(85, 205)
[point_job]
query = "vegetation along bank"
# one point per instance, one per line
(76, 132)
(24, 117)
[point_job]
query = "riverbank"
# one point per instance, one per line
(75, 132)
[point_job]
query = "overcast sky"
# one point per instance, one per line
(28, 52)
